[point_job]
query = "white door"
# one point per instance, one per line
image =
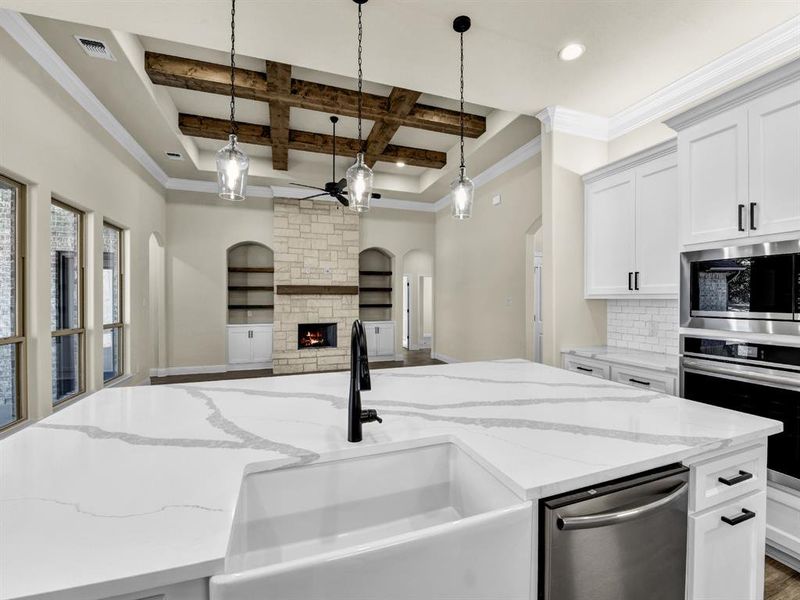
(261, 339)
(538, 332)
(406, 311)
(385, 340)
(712, 178)
(657, 253)
(726, 558)
(610, 235)
(775, 162)
(239, 345)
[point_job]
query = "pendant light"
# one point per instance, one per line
(462, 189)
(359, 176)
(232, 163)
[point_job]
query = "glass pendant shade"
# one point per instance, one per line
(359, 184)
(462, 190)
(232, 167)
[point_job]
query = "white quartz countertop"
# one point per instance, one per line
(135, 487)
(654, 361)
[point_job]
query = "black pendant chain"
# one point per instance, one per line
(360, 76)
(233, 67)
(462, 101)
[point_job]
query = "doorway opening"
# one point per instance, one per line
(406, 310)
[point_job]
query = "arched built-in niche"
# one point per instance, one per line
(375, 284)
(251, 269)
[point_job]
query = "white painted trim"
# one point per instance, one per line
(574, 122)
(195, 370)
(518, 156)
(444, 358)
(250, 366)
(210, 187)
(634, 160)
(29, 39)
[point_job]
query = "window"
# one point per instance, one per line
(12, 340)
(66, 301)
(113, 329)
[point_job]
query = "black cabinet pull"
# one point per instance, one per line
(741, 217)
(753, 215)
(742, 476)
(745, 516)
(585, 369)
(636, 280)
(639, 381)
(630, 279)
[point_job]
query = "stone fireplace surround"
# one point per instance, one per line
(316, 244)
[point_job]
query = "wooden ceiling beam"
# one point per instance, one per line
(174, 71)
(401, 103)
(319, 143)
(279, 80)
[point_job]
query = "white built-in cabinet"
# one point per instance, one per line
(250, 345)
(380, 339)
(631, 226)
(739, 162)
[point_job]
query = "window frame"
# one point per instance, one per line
(19, 339)
(119, 325)
(80, 331)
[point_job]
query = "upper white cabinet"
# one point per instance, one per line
(631, 237)
(739, 161)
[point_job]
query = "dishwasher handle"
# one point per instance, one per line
(613, 518)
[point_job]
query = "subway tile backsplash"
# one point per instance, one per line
(650, 325)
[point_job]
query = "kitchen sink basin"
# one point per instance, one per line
(427, 521)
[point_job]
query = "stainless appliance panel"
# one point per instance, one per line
(625, 540)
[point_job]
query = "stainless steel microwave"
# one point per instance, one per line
(744, 288)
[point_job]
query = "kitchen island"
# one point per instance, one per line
(133, 489)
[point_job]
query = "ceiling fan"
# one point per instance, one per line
(334, 189)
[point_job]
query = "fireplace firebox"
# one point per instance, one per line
(316, 335)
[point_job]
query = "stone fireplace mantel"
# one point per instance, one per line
(317, 290)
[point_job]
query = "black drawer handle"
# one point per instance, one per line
(745, 516)
(742, 476)
(753, 215)
(585, 369)
(741, 217)
(639, 381)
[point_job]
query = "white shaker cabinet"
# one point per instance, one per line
(774, 156)
(610, 235)
(631, 226)
(249, 345)
(380, 339)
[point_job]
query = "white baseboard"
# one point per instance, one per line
(444, 357)
(250, 366)
(194, 370)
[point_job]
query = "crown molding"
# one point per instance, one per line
(773, 47)
(574, 122)
(634, 160)
(29, 39)
(202, 186)
(505, 164)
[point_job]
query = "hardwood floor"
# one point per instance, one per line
(411, 358)
(780, 582)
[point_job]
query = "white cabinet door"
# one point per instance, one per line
(610, 235)
(712, 177)
(726, 561)
(775, 161)
(262, 344)
(239, 345)
(657, 247)
(386, 340)
(371, 333)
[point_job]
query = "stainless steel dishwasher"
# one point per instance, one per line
(622, 540)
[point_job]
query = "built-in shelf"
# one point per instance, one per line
(375, 289)
(251, 306)
(370, 305)
(375, 285)
(378, 273)
(251, 269)
(253, 288)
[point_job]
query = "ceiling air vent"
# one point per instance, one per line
(95, 48)
(174, 155)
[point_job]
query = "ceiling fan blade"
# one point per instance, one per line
(376, 196)
(342, 184)
(343, 200)
(311, 187)
(314, 196)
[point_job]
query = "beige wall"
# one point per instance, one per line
(479, 283)
(50, 143)
(200, 229)
(639, 139)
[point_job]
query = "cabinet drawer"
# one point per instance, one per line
(726, 551)
(587, 366)
(724, 478)
(649, 380)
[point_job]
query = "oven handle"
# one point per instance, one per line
(703, 366)
(613, 518)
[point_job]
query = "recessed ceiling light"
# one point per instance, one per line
(571, 51)
(401, 164)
